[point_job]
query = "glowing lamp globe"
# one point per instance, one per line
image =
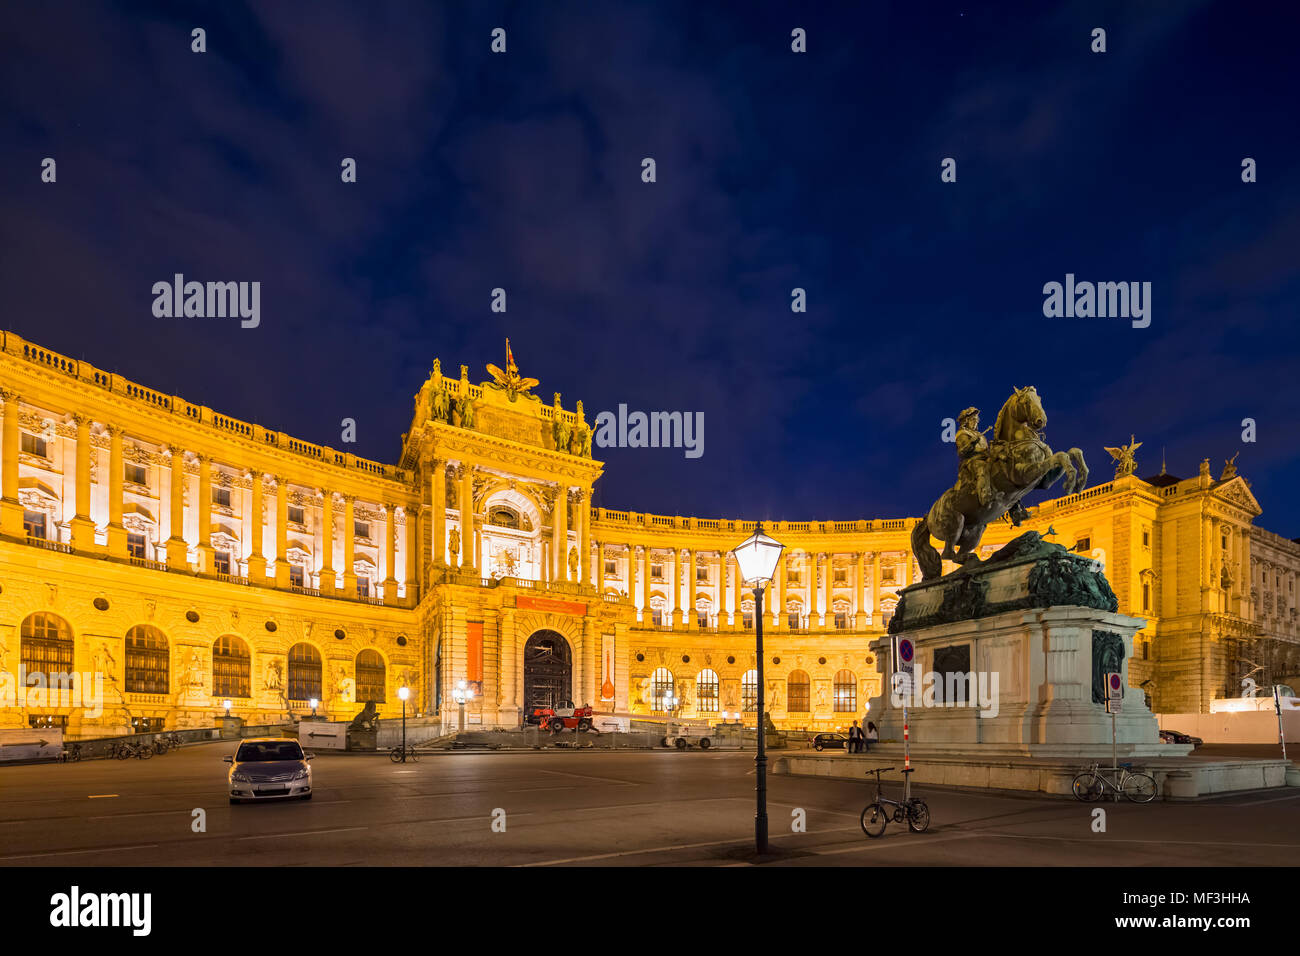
(403, 693)
(757, 557)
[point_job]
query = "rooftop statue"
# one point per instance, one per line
(992, 479)
(514, 383)
(1125, 463)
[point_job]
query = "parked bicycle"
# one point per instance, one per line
(395, 755)
(126, 749)
(1092, 784)
(876, 815)
(70, 754)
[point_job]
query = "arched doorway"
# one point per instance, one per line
(548, 671)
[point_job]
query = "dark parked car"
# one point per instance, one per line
(1178, 737)
(830, 741)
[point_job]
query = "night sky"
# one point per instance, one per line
(775, 170)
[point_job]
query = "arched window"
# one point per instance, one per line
(147, 660)
(370, 677)
(749, 692)
(846, 692)
(45, 644)
(661, 686)
(232, 667)
(304, 672)
(798, 692)
(706, 691)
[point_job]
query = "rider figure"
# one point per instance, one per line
(973, 450)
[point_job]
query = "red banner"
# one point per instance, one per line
(553, 605)
(474, 666)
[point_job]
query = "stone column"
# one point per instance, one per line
(281, 531)
(631, 573)
(600, 568)
(256, 559)
(828, 571)
(691, 620)
(584, 539)
(559, 525)
(83, 528)
(646, 611)
(778, 591)
(412, 551)
(328, 578)
(116, 530)
(390, 582)
(349, 546)
(439, 499)
(205, 514)
(728, 580)
(176, 550)
(875, 588)
(678, 611)
(11, 512)
(468, 557)
(860, 618)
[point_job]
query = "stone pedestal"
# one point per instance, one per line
(230, 728)
(1010, 659)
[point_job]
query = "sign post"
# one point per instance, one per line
(1277, 706)
(1114, 703)
(904, 661)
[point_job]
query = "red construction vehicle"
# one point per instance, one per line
(563, 716)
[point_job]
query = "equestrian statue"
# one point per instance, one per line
(994, 475)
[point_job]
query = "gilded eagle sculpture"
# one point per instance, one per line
(514, 383)
(993, 477)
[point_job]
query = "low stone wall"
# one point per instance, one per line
(1176, 778)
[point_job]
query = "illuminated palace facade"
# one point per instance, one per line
(194, 559)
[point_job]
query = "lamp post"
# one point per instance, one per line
(757, 557)
(403, 693)
(461, 695)
(314, 702)
(228, 704)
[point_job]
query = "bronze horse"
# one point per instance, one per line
(1019, 461)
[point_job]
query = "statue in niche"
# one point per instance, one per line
(573, 562)
(560, 428)
(345, 686)
(462, 412)
(453, 543)
(274, 675)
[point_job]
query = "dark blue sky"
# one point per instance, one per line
(775, 170)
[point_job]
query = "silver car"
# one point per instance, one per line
(269, 768)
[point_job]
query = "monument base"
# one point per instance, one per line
(1010, 657)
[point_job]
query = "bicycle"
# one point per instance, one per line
(70, 754)
(1137, 787)
(124, 751)
(875, 815)
(395, 755)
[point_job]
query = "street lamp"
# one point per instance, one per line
(403, 693)
(757, 557)
(313, 703)
(228, 703)
(461, 694)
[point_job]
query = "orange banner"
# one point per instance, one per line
(551, 604)
(474, 667)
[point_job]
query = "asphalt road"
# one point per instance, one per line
(622, 809)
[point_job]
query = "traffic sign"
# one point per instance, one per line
(1115, 705)
(1114, 686)
(905, 651)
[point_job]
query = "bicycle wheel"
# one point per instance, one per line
(395, 755)
(1087, 787)
(145, 753)
(1139, 787)
(874, 819)
(918, 816)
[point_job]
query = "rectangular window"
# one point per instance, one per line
(1146, 650)
(888, 575)
(363, 587)
(792, 577)
(792, 619)
(841, 576)
(34, 445)
(1146, 539)
(702, 574)
(135, 546)
(611, 568)
(747, 618)
(842, 620)
(47, 721)
(146, 725)
(135, 474)
(34, 524)
(1146, 597)
(707, 692)
(656, 617)
(1083, 545)
(295, 514)
(798, 696)
(656, 571)
(361, 529)
(702, 618)
(221, 497)
(295, 575)
(221, 562)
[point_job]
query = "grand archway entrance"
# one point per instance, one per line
(548, 670)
